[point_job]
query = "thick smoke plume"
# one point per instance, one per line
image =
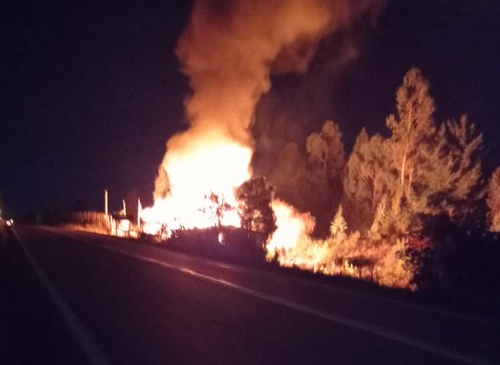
(229, 50)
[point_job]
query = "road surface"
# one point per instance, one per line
(79, 298)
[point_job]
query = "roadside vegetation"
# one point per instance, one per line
(414, 207)
(411, 208)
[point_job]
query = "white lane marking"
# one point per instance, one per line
(224, 266)
(94, 355)
(400, 303)
(352, 323)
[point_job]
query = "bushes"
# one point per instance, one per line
(385, 261)
(396, 269)
(460, 260)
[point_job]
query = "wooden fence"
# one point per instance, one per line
(97, 219)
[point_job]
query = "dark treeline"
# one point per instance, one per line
(421, 186)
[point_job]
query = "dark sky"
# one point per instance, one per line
(90, 91)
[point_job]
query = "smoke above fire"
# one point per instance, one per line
(229, 51)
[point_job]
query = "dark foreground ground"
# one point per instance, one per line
(76, 298)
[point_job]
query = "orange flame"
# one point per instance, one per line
(293, 227)
(214, 166)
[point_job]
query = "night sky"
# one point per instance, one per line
(90, 91)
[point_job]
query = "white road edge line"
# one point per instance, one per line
(358, 325)
(413, 306)
(94, 355)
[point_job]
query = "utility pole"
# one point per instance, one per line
(139, 211)
(106, 202)
(124, 208)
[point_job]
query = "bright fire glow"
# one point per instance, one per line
(218, 166)
(293, 227)
(215, 166)
(291, 244)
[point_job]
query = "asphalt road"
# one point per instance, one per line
(78, 298)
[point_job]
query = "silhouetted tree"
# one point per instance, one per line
(254, 197)
(411, 130)
(218, 207)
(420, 169)
(379, 220)
(493, 200)
(323, 178)
(327, 149)
(338, 226)
(313, 182)
(369, 177)
(289, 176)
